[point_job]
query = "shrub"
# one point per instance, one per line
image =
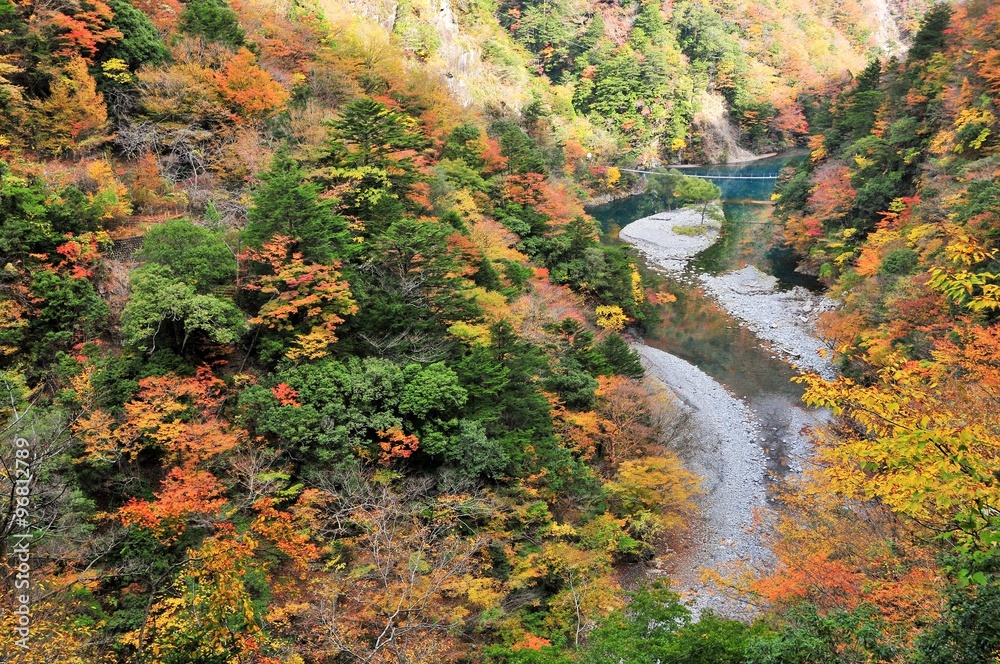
(690, 231)
(900, 261)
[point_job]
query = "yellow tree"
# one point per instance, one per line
(654, 495)
(923, 440)
(63, 625)
(209, 613)
(73, 117)
(585, 589)
(13, 109)
(610, 317)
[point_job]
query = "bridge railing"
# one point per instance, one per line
(706, 176)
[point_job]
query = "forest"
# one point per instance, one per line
(311, 353)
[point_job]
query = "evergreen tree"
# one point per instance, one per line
(214, 20)
(369, 149)
(462, 143)
(871, 77)
(289, 204)
(622, 359)
(859, 107)
(521, 152)
(367, 133)
(930, 38)
(68, 309)
(649, 19)
(410, 292)
(140, 43)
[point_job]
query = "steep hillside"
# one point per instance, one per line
(288, 339)
(656, 83)
(309, 352)
(898, 209)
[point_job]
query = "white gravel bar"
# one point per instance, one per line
(785, 319)
(655, 238)
(725, 453)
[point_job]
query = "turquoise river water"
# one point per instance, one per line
(694, 327)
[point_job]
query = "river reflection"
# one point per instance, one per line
(694, 327)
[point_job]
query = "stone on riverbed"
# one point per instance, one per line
(754, 298)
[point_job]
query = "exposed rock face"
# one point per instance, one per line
(720, 136)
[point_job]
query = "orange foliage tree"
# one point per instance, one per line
(838, 556)
(251, 89)
(628, 423)
(75, 29)
(306, 300)
(178, 419)
(73, 117)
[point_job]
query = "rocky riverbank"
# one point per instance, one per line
(725, 452)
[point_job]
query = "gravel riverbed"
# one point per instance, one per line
(724, 451)
(740, 446)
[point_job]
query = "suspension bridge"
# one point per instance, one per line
(707, 177)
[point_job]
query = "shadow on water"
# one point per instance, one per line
(694, 327)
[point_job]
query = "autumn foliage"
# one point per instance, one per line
(319, 357)
(250, 88)
(305, 300)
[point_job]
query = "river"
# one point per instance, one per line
(741, 395)
(694, 327)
